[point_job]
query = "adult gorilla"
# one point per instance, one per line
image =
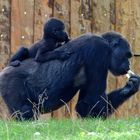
(52, 84)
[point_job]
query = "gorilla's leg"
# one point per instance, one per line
(103, 105)
(54, 102)
(20, 55)
(25, 113)
(92, 106)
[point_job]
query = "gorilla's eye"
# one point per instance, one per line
(59, 29)
(129, 54)
(54, 30)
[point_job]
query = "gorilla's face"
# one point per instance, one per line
(55, 29)
(119, 64)
(60, 34)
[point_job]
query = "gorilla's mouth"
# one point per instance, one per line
(122, 71)
(125, 71)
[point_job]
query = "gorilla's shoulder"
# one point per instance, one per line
(88, 38)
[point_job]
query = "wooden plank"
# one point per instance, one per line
(4, 32)
(111, 83)
(21, 23)
(4, 46)
(75, 30)
(104, 20)
(135, 102)
(80, 17)
(103, 16)
(85, 16)
(61, 10)
(136, 27)
(42, 11)
(126, 19)
(123, 22)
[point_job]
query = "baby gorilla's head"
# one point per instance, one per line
(55, 28)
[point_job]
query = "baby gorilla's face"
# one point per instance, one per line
(55, 29)
(61, 35)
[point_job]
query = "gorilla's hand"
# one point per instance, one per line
(65, 55)
(67, 40)
(132, 86)
(60, 55)
(15, 63)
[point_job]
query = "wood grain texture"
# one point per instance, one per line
(5, 10)
(126, 19)
(61, 10)
(136, 26)
(103, 19)
(80, 15)
(136, 102)
(80, 18)
(42, 12)
(21, 23)
(76, 29)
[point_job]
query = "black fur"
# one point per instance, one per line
(55, 82)
(53, 37)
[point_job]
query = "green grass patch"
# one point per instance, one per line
(90, 129)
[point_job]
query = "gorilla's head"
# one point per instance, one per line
(55, 28)
(121, 53)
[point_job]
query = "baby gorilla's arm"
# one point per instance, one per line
(56, 54)
(42, 50)
(20, 55)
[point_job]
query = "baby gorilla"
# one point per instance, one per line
(53, 37)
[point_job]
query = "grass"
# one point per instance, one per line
(90, 129)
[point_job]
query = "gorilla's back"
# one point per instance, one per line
(55, 73)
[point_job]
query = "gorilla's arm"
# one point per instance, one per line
(45, 54)
(93, 101)
(102, 105)
(20, 55)
(41, 51)
(117, 97)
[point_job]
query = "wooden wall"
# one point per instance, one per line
(21, 23)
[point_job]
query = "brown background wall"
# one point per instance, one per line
(21, 23)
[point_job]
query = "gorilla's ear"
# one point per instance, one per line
(114, 42)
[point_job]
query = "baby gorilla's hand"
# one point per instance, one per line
(15, 63)
(65, 55)
(67, 40)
